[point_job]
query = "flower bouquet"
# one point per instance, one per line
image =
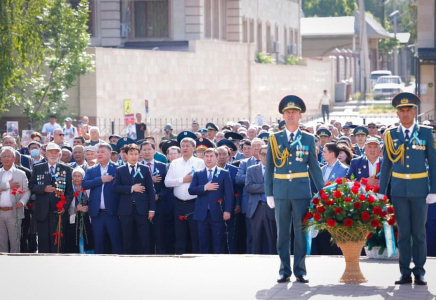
(350, 210)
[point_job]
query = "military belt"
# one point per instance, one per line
(291, 175)
(410, 176)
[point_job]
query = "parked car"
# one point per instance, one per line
(377, 74)
(387, 87)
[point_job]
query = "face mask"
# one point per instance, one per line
(34, 153)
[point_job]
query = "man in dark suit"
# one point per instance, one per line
(103, 202)
(50, 181)
(158, 172)
(136, 210)
(263, 222)
(214, 190)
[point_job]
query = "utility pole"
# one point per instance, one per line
(364, 52)
(395, 13)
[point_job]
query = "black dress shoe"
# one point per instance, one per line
(420, 280)
(404, 279)
(283, 279)
(302, 279)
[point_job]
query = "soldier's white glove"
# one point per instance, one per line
(380, 196)
(431, 198)
(270, 201)
(315, 233)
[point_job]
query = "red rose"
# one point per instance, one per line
(315, 201)
(329, 202)
(308, 215)
(331, 222)
(327, 183)
(364, 181)
(348, 222)
(21, 192)
(396, 235)
(369, 235)
(180, 217)
(317, 217)
(365, 216)
(348, 199)
(376, 189)
(375, 223)
(220, 200)
(236, 195)
(14, 192)
(377, 211)
(338, 211)
(385, 198)
(362, 197)
(321, 192)
(384, 214)
(338, 180)
(357, 205)
(391, 210)
(337, 194)
(368, 188)
(324, 197)
(357, 183)
(391, 221)
(321, 209)
(371, 199)
(355, 190)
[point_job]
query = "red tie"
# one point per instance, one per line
(149, 166)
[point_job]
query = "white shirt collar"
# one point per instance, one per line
(288, 133)
(375, 163)
(151, 162)
(410, 129)
(135, 165)
(12, 169)
(213, 169)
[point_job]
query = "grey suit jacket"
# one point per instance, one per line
(17, 176)
(255, 186)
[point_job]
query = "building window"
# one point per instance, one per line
(251, 31)
(296, 41)
(207, 19)
(151, 18)
(285, 40)
(259, 37)
(244, 31)
(268, 39)
(223, 21)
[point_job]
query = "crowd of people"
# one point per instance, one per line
(207, 190)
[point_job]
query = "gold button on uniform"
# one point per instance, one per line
(407, 148)
(407, 156)
(407, 166)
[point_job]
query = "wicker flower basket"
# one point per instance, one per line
(351, 242)
(374, 254)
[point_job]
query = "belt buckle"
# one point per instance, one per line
(407, 176)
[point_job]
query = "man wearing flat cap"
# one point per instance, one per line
(407, 149)
(290, 153)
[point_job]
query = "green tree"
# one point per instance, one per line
(53, 66)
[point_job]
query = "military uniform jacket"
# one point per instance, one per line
(296, 162)
(414, 162)
(358, 151)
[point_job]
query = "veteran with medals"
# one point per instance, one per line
(407, 149)
(287, 186)
(50, 181)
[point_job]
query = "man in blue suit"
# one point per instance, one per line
(158, 171)
(334, 168)
(214, 190)
(137, 206)
(256, 143)
(263, 222)
(103, 202)
(367, 165)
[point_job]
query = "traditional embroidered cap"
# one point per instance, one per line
(233, 136)
(372, 140)
(323, 132)
(360, 130)
(405, 99)
(211, 126)
(185, 134)
(203, 144)
(292, 102)
(264, 136)
(53, 146)
(167, 144)
(228, 144)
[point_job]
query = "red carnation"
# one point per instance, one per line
(368, 188)
(391, 210)
(391, 221)
(357, 183)
(364, 181)
(317, 217)
(338, 211)
(369, 235)
(315, 201)
(348, 199)
(365, 216)
(377, 211)
(21, 192)
(180, 217)
(355, 190)
(324, 197)
(348, 222)
(220, 200)
(371, 199)
(331, 222)
(376, 189)
(337, 194)
(357, 205)
(59, 205)
(362, 197)
(14, 192)
(375, 223)
(338, 180)
(236, 195)
(76, 194)
(321, 209)
(62, 197)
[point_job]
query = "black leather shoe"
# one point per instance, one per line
(420, 280)
(404, 279)
(283, 279)
(302, 279)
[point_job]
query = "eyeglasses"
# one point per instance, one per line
(372, 127)
(60, 134)
(262, 153)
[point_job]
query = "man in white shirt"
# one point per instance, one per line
(179, 177)
(324, 104)
(11, 202)
(48, 128)
(70, 131)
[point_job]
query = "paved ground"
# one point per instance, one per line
(196, 277)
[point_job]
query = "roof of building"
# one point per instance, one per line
(341, 26)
